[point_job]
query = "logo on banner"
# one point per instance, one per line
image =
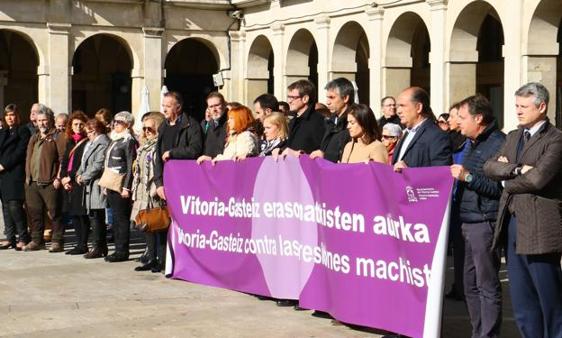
(411, 194)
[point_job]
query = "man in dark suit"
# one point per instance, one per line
(530, 214)
(339, 97)
(307, 128)
(423, 143)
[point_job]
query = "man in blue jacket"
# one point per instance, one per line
(479, 200)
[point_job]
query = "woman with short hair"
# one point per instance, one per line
(391, 133)
(365, 144)
(88, 176)
(120, 155)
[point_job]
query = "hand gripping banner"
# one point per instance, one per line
(358, 241)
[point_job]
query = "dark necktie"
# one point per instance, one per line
(526, 136)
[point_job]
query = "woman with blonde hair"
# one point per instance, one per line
(276, 133)
(143, 191)
(365, 144)
(240, 142)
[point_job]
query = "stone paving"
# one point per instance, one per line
(56, 295)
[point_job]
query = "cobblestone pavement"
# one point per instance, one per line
(56, 295)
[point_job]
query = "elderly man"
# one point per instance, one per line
(530, 214)
(478, 197)
(423, 143)
(388, 109)
(41, 169)
(32, 124)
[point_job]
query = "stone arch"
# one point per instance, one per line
(475, 55)
(259, 70)
(302, 58)
(101, 74)
(544, 53)
(407, 54)
(19, 61)
(350, 58)
(189, 67)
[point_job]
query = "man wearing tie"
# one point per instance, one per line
(423, 143)
(530, 214)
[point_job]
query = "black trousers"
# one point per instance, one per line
(121, 209)
(99, 229)
(15, 221)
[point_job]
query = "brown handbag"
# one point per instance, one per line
(153, 219)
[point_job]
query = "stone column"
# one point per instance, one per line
(375, 56)
(235, 83)
(137, 83)
(437, 55)
(57, 84)
(153, 66)
(279, 60)
(322, 37)
(542, 68)
(512, 63)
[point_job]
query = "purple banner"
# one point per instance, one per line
(358, 241)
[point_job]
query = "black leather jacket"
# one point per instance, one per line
(479, 199)
(120, 156)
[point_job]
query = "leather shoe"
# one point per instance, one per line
(76, 251)
(4, 245)
(34, 246)
(322, 314)
(286, 302)
(117, 257)
(56, 247)
(96, 252)
(157, 268)
(146, 267)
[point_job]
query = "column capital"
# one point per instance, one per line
(323, 22)
(237, 36)
(375, 13)
(153, 32)
(59, 28)
(278, 28)
(437, 5)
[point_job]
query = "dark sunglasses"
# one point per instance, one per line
(388, 137)
(150, 129)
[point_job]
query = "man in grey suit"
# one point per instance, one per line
(530, 214)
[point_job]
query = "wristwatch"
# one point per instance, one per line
(517, 170)
(468, 178)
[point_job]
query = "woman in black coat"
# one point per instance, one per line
(119, 158)
(73, 192)
(13, 146)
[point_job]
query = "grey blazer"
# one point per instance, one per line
(91, 169)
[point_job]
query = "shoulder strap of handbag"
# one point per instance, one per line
(76, 146)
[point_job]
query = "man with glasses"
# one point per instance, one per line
(307, 128)
(388, 109)
(215, 135)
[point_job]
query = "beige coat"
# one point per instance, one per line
(356, 151)
(244, 144)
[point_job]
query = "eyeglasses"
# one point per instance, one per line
(389, 137)
(148, 129)
(293, 97)
(442, 122)
(119, 122)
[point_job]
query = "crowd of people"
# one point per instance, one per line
(507, 192)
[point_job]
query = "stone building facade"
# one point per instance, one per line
(88, 54)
